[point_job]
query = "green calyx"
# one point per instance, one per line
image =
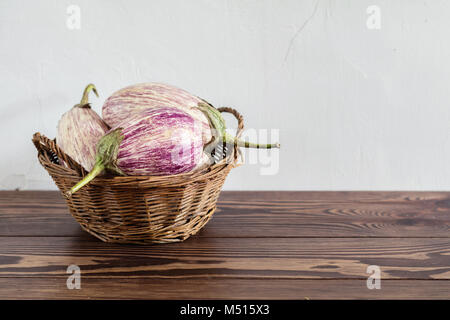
(84, 103)
(218, 128)
(106, 158)
(218, 125)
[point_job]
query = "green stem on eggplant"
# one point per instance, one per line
(217, 124)
(96, 170)
(245, 144)
(219, 130)
(84, 103)
(107, 150)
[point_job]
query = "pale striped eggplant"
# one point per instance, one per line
(135, 98)
(156, 141)
(79, 130)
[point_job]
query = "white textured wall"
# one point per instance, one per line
(356, 108)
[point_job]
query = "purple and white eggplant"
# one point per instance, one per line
(135, 98)
(79, 130)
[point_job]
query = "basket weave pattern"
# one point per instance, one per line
(139, 209)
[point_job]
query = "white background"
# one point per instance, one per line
(356, 108)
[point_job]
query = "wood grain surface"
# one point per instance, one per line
(258, 245)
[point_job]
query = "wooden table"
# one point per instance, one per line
(258, 245)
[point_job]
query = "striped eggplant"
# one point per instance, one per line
(138, 97)
(79, 130)
(135, 98)
(156, 141)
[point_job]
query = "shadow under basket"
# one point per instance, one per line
(140, 209)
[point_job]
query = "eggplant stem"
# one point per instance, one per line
(98, 168)
(218, 127)
(106, 158)
(216, 122)
(85, 98)
(246, 144)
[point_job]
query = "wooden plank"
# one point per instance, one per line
(280, 258)
(333, 214)
(213, 288)
(263, 214)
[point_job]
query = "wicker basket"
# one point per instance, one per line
(139, 209)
